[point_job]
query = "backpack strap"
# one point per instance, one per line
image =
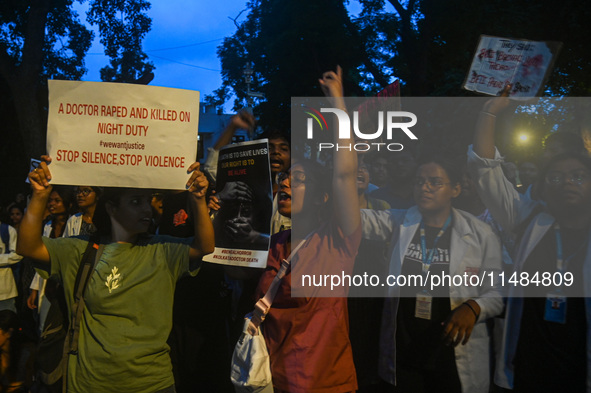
(5, 236)
(262, 307)
(89, 260)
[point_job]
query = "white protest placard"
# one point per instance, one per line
(522, 63)
(121, 135)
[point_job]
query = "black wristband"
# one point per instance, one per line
(472, 308)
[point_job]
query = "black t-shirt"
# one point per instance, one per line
(194, 296)
(198, 338)
(418, 341)
(176, 220)
(87, 229)
(552, 356)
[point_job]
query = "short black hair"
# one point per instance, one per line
(276, 134)
(67, 195)
(8, 320)
(452, 167)
(571, 143)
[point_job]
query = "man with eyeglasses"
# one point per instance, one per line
(544, 325)
(577, 178)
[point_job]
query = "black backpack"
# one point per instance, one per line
(59, 337)
(5, 236)
(51, 342)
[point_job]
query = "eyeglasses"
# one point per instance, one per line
(432, 183)
(84, 191)
(576, 178)
(295, 178)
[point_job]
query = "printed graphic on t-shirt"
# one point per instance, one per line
(414, 253)
(180, 218)
(113, 279)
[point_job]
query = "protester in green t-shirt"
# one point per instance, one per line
(128, 301)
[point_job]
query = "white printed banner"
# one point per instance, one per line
(499, 61)
(121, 135)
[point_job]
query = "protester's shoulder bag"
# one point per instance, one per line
(59, 337)
(251, 368)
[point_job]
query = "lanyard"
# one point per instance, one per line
(561, 263)
(427, 259)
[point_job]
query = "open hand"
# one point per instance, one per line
(458, 326)
(243, 120)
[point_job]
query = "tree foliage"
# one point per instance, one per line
(430, 43)
(45, 39)
(39, 40)
(122, 25)
(290, 45)
(427, 44)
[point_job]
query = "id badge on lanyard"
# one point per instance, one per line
(424, 299)
(423, 305)
(555, 308)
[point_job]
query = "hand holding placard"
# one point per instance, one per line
(116, 131)
(39, 177)
(522, 63)
(197, 184)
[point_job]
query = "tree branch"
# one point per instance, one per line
(399, 8)
(377, 74)
(32, 58)
(235, 20)
(7, 69)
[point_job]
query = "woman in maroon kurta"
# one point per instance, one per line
(308, 337)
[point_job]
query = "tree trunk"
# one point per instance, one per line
(24, 83)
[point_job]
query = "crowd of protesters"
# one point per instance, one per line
(173, 325)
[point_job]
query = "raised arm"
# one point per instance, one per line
(507, 206)
(241, 120)
(29, 242)
(344, 185)
(484, 137)
(204, 239)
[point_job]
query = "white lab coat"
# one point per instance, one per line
(73, 225)
(8, 287)
(474, 247)
(510, 209)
